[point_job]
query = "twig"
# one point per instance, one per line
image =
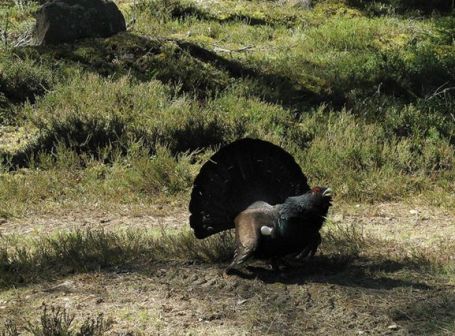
(219, 49)
(271, 323)
(5, 31)
(24, 39)
(132, 22)
(440, 93)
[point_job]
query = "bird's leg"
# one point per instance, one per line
(240, 255)
(227, 271)
(317, 242)
(274, 264)
(304, 253)
(311, 249)
(283, 262)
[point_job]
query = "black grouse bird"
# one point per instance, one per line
(258, 188)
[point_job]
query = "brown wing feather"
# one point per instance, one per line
(248, 231)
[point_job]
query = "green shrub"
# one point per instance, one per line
(347, 60)
(384, 7)
(161, 173)
(129, 117)
(90, 113)
(21, 81)
(367, 160)
(127, 54)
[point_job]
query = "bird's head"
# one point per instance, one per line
(318, 199)
(323, 191)
(322, 195)
(313, 204)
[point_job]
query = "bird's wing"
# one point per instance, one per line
(247, 235)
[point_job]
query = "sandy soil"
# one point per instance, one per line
(398, 221)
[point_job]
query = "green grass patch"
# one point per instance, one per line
(365, 102)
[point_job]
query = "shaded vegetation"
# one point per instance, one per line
(21, 80)
(404, 6)
(95, 250)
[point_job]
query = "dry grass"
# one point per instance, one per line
(151, 282)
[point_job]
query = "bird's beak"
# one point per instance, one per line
(327, 193)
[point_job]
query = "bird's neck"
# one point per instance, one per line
(287, 229)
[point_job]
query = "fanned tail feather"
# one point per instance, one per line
(239, 174)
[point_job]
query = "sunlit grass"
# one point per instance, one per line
(362, 101)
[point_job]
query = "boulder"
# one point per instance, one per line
(59, 21)
(306, 4)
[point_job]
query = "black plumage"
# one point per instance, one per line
(258, 188)
(238, 175)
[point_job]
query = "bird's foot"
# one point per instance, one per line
(302, 255)
(275, 264)
(285, 264)
(227, 273)
(307, 253)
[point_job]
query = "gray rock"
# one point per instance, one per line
(298, 3)
(302, 3)
(59, 21)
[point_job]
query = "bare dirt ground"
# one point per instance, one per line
(395, 221)
(391, 220)
(364, 296)
(85, 219)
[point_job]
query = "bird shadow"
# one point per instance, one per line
(343, 271)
